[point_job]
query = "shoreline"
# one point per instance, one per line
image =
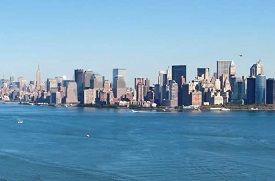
(213, 108)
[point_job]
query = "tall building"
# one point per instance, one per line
(260, 93)
(226, 72)
(146, 86)
(78, 76)
(239, 91)
(38, 78)
(168, 73)
(179, 75)
(119, 82)
(138, 80)
(251, 87)
(186, 91)
(87, 78)
(204, 73)
(96, 82)
(270, 91)
(223, 67)
(107, 86)
(256, 69)
(140, 92)
(89, 96)
(162, 82)
(52, 85)
(173, 93)
(71, 93)
(117, 72)
(79, 79)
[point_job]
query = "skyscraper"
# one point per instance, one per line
(79, 79)
(251, 86)
(260, 93)
(71, 93)
(52, 85)
(223, 67)
(140, 92)
(96, 82)
(87, 78)
(38, 78)
(117, 72)
(138, 80)
(119, 82)
(179, 75)
(270, 91)
(256, 69)
(204, 73)
(162, 82)
(79, 76)
(173, 93)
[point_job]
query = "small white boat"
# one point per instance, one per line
(215, 108)
(225, 109)
(20, 122)
(87, 135)
(254, 109)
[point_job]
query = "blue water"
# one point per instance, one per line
(51, 144)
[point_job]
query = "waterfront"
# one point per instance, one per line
(52, 144)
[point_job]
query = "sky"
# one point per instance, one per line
(142, 36)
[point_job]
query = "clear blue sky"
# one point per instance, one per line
(143, 36)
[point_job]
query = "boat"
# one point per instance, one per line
(87, 135)
(138, 111)
(20, 122)
(254, 109)
(219, 109)
(215, 108)
(225, 109)
(191, 107)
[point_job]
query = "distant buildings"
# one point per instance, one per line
(171, 90)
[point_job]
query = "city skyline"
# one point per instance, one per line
(142, 37)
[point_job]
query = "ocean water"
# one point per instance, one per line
(52, 144)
